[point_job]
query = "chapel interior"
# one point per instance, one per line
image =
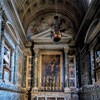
(49, 49)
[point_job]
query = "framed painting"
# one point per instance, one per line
(72, 82)
(50, 70)
(6, 74)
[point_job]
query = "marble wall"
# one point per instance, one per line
(12, 92)
(90, 92)
(10, 86)
(8, 95)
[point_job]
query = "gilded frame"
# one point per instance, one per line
(49, 53)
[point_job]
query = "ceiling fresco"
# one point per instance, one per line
(44, 22)
(37, 16)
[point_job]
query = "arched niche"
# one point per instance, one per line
(12, 30)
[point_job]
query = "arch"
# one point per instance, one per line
(67, 12)
(12, 30)
(93, 28)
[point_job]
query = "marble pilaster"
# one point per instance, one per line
(16, 63)
(66, 69)
(1, 56)
(12, 67)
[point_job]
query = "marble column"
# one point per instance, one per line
(66, 69)
(36, 69)
(1, 56)
(16, 63)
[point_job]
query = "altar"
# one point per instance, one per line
(51, 96)
(54, 76)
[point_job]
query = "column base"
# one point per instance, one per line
(67, 89)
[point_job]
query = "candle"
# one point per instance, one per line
(54, 79)
(44, 79)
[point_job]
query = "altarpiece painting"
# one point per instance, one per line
(51, 70)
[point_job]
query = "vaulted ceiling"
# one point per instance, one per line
(29, 9)
(36, 17)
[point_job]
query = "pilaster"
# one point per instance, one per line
(12, 67)
(16, 63)
(24, 71)
(66, 70)
(1, 55)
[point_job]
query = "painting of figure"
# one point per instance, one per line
(50, 69)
